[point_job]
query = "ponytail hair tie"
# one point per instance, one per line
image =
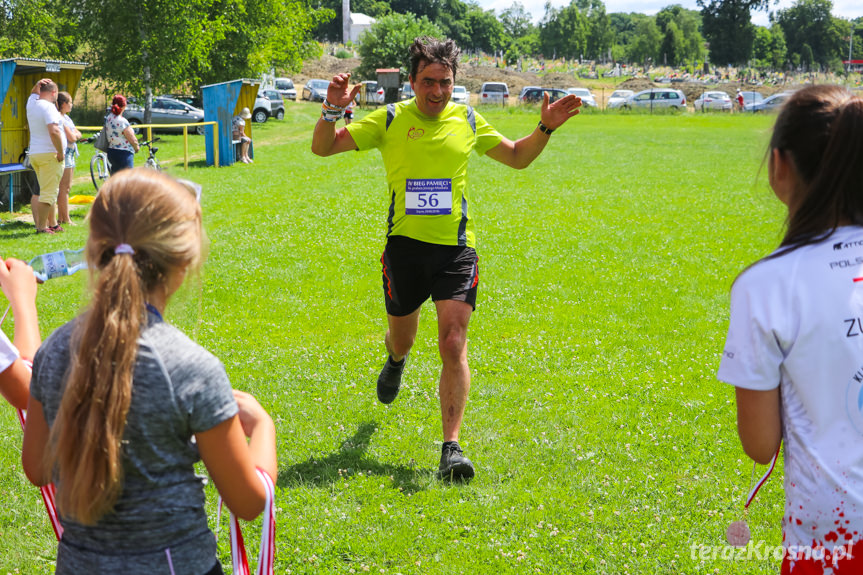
(124, 249)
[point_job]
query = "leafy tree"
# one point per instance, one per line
(812, 32)
(524, 46)
(857, 41)
(516, 21)
(563, 32)
(332, 29)
(689, 44)
(761, 45)
(623, 29)
(600, 36)
(139, 46)
(162, 44)
(36, 29)
(646, 41)
(386, 43)
(673, 47)
(260, 35)
(486, 31)
(778, 51)
(727, 26)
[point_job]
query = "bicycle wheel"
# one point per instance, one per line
(153, 164)
(99, 170)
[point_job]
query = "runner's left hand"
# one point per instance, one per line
(556, 114)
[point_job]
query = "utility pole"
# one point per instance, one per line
(346, 21)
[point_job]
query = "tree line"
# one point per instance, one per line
(804, 36)
(140, 47)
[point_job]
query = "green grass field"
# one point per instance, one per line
(602, 439)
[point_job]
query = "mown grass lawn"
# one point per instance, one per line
(602, 440)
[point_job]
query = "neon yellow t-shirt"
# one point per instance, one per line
(426, 162)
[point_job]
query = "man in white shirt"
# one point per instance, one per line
(47, 151)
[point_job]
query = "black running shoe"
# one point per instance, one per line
(453, 465)
(390, 380)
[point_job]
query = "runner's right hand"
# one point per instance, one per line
(339, 92)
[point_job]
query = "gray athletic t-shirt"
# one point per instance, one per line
(178, 389)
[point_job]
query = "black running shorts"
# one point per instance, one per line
(414, 270)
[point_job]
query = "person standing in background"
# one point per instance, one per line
(47, 151)
(64, 105)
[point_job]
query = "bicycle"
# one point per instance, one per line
(151, 163)
(100, 167)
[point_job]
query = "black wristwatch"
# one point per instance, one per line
(545, 129)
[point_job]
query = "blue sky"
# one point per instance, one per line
(843, 8)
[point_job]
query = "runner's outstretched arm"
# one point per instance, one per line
(521, 153)
(326, 140)
(19, 286)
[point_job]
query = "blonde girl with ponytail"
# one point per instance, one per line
(123, 404)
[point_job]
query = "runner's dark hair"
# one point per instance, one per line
(433, 51)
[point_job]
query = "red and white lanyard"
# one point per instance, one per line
(48, 492)
(763, 480)
(267, 553)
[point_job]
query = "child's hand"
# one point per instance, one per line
(18, 282)
(251, 413)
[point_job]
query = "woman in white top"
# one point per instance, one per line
(795, 338)
(122, 143)
(64, 104)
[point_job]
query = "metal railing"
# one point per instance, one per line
(149, 128)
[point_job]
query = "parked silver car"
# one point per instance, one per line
(768, 104)
(656, 98)
(713, 100)
(374, 94)
(285, 87)
(406, 92)
(618, 98)
(315, 90)
(494, 93)
(276, 106)
(460, 95)
(166, 111)
(587, 99)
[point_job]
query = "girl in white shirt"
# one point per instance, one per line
(795, 339)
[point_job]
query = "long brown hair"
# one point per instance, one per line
(821, 128)
(161, 221)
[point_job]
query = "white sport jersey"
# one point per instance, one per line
(797, 323)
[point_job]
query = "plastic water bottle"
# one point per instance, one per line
(58, 264)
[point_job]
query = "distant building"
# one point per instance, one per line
(853, 65)
(359, 24)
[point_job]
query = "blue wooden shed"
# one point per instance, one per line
(222, 102)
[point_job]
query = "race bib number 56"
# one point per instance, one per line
(432, 197)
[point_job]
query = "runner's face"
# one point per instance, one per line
(433, 88)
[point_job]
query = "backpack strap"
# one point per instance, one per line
(471, 118)
(391, 114)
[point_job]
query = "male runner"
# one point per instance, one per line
(426, 143)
